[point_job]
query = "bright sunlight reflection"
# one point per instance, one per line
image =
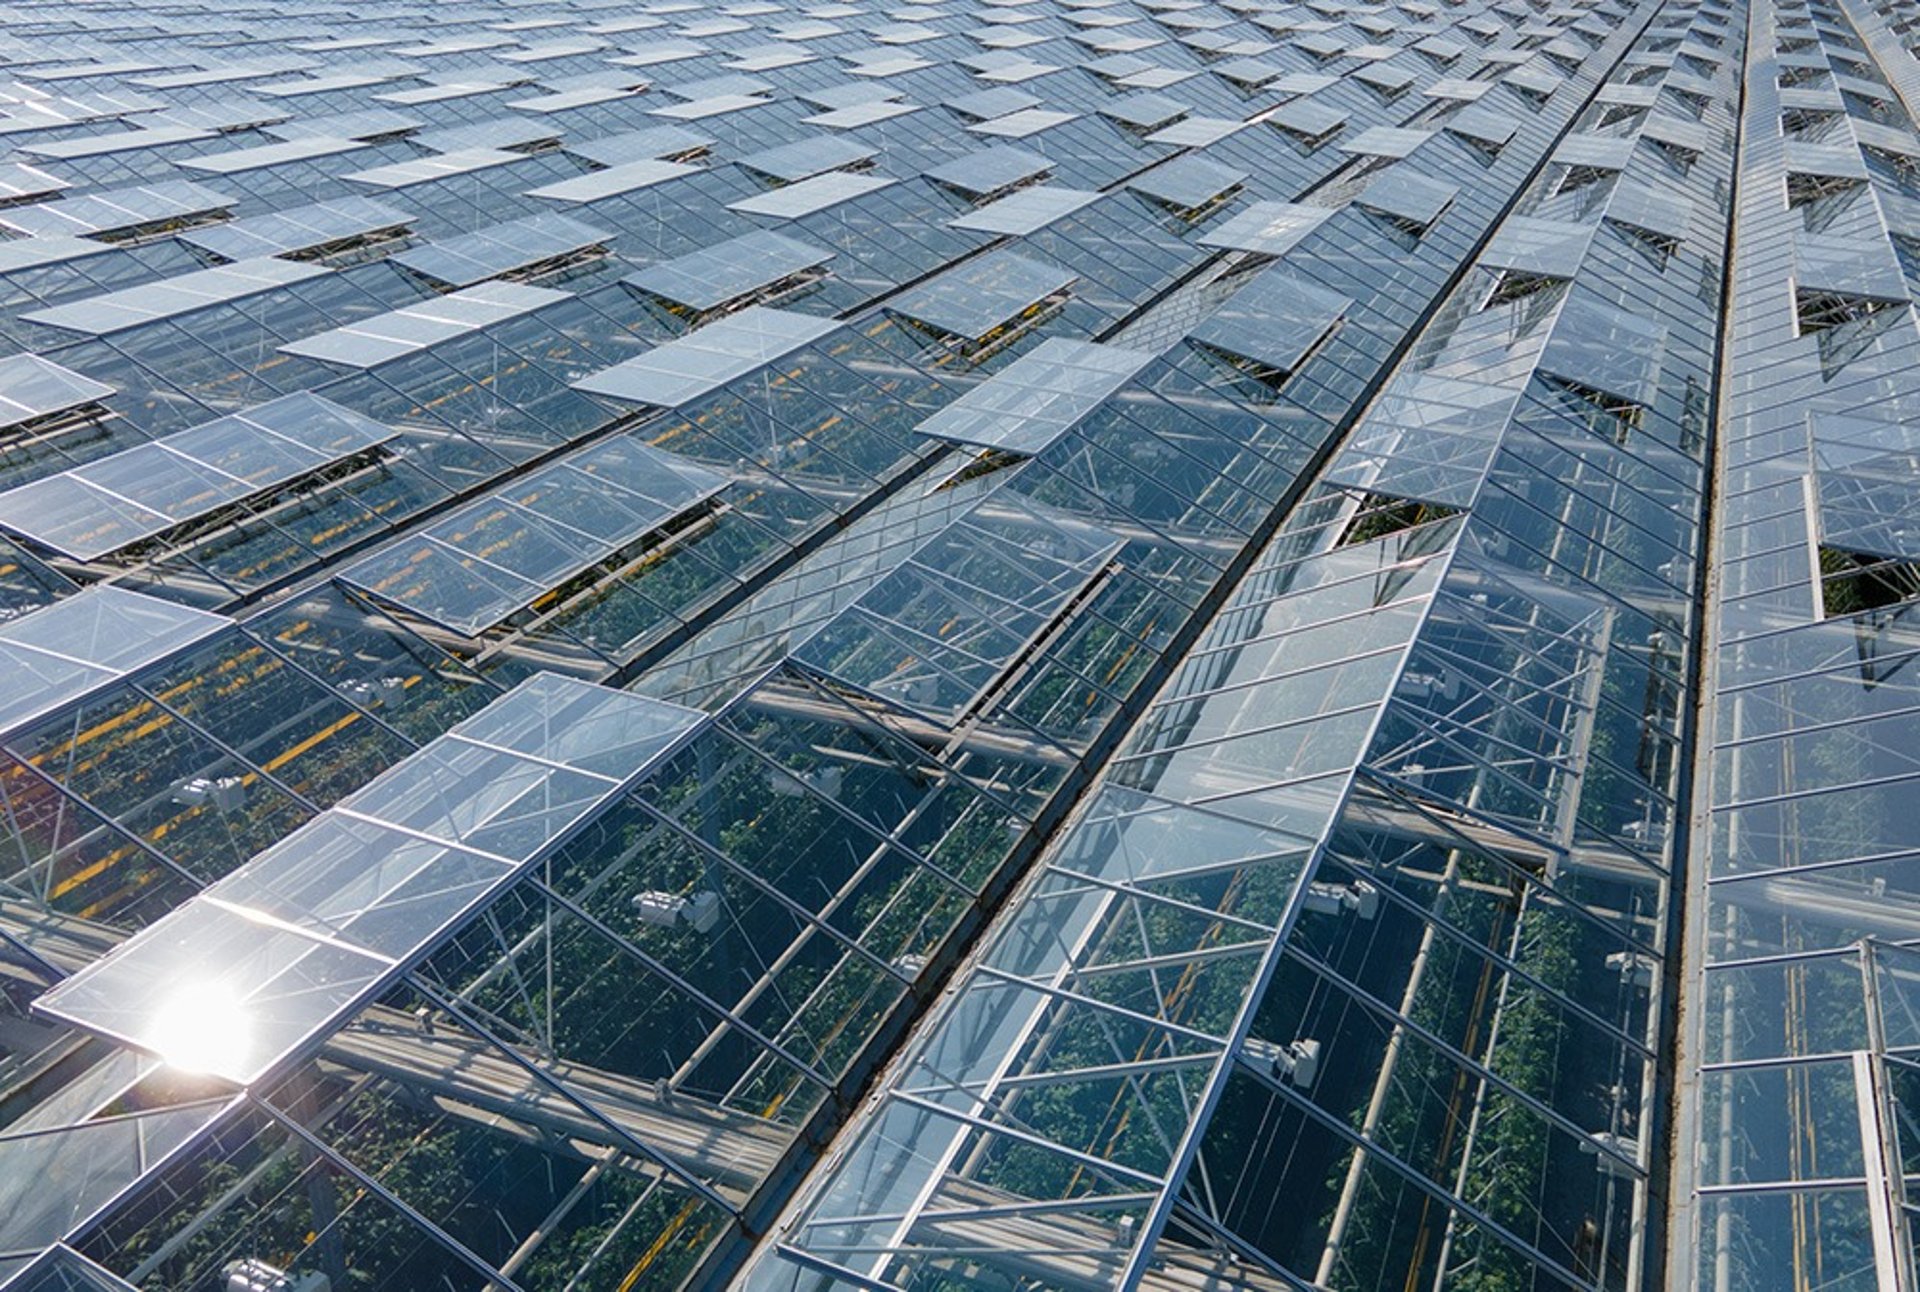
(202, 1027)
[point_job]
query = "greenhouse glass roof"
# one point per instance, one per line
(804, 645)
